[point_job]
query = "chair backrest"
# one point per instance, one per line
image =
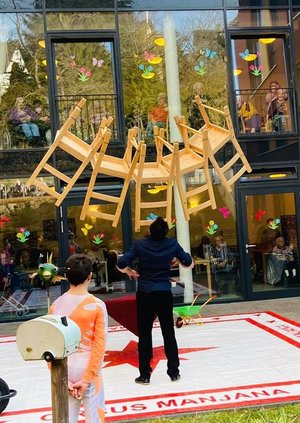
(131, 145)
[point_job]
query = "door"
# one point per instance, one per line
(96, 238)
(270, 246)
(85, 67)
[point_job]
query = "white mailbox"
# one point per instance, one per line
(48, 337)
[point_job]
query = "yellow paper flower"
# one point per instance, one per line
(211, 222)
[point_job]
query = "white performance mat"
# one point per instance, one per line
(228, 362)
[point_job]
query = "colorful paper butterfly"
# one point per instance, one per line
(152, 216)
(259, 214)
(86, 228)
(225, 212)
(210, 54)
(245, 54)
(96, 62)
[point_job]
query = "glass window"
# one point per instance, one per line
(263, 97)
(173, 4)
(26, 240)
(77, 21)
(256, 3)
(83, 4)
(258, 18)
(24, 115)
(200, 58)
(296, 26)
(21, 4)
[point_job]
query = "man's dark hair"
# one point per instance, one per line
(159, 229)
(78, 268)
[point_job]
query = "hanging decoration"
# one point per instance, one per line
(249, 57)
(86, 228)
(147, 71)
(98, 238)
(200, 69)
(259, 214)
(225, 212)
(274, 224)
(3, 221)
(23, 235)
(212, 227)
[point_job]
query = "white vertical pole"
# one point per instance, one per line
(173, 91)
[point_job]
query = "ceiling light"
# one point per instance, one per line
(278, 175)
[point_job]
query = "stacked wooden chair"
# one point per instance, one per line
(113, 166)
(74, 146)
(218, 136)
(184, 162)
(154, 173)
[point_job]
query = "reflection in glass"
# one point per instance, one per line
(257, 18)
(22, 76)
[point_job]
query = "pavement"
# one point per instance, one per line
(287, 307)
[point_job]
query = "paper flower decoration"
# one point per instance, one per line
(84, 74)
(159, 41)
(256, 70)
(98, 238)
(212, 227)
(249, 57)
(237, 72)
(23, 235)
(86, 228)
(200, 69)
(147, 71)
(259, 214)
(173, 223)
(274, 224)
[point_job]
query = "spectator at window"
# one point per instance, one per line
(284, 254)
(250, 119)
(221, 255)
(43, 122)
(24, 117)
(276, 106)
(158, 116)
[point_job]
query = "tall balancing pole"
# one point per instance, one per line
(174, 106)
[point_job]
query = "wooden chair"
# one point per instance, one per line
(74, 146)
(187, 161)
(218, 136)
(154, 173)
(117, 167)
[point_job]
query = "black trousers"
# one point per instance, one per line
(150, 305)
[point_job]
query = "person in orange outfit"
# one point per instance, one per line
(85, 382)
(158, 116)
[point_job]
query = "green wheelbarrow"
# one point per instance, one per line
(191, 313)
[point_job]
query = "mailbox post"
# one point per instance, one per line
(51, 338)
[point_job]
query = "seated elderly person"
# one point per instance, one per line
(222, 265)
(251, 120)
(24, 117)
(284, 256)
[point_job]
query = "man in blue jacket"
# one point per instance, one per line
(157, 254)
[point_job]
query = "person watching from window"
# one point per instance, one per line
(250, 119)
(284, 254)
(24, 118)
(158, 116)
(221, 255)
(276, 106)
(43, 122)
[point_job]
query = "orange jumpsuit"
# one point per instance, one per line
(90, 315)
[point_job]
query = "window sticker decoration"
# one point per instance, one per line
(147, 71)
(152, 216)
(224, 212)
(267, 40)
(200, 69)
(208, 53)
(237, 71)
(3, 221)
(86, 228)
(212, 227)
(84, 74)
(259, 214)
(152, 58)
(274, 223)
(249, 57)
(23, 235)
(98, 238)
(159, 41)
(256, 70)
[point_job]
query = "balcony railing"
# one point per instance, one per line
(260, 111)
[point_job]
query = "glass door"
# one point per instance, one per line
(270, 231)
(85, 69)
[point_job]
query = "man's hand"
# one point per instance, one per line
(78, 389)
(132, 274)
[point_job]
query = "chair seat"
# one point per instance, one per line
(217, 138)
(188, 161)
(152, 172)
(113, 166)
